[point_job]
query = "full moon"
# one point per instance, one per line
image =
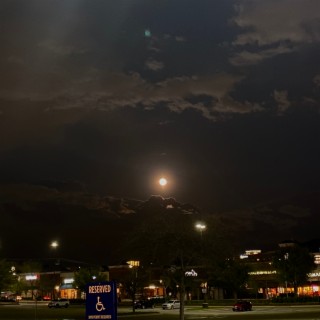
(163, 182)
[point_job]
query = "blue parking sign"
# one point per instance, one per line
(101, 300)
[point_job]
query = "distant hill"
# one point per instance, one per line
(266, 224)
(93, 228)
(86, 225)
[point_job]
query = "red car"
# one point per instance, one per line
(242, 305)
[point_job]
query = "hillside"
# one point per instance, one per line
(95, 228)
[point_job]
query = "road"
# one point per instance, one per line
(259, 312)
(42, 312)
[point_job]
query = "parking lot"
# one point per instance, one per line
(41, 311)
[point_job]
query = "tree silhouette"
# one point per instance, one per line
(6, 276)
(87, 275)
(166, 237)
(293, 264)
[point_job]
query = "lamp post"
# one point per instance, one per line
(286, 257)
(134, 264)
(54, 245)
(200, 226)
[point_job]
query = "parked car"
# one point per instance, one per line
(143, 304)
(171, 304)
(59, 303)
(242, 305)
(14, 297)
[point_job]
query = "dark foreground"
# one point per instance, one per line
(42, 312)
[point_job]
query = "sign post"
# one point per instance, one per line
(101, 300)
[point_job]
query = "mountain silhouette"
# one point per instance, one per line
(93, 228)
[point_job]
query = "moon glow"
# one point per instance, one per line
(163, 182)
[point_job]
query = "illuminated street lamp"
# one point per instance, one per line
(54, 244)
(201, 227)
(134, 264)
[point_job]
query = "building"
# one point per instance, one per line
(263, 279)
(52, 278)
(47, 279)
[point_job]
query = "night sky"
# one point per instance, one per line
(220, 97)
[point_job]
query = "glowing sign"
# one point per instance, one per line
(191, 273)
(314, 274)
(68, 280)
(133, 263)
(31, 277)
(255, 273)
(101, 300)
(252, 252)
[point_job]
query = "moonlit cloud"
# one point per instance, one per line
(99, 91)
(59, 49)
(316, 80)
(154, 65)
(223, 95)
(245, 57)
(283, 103)
(62, 84)
(272, 28)
(274, 22)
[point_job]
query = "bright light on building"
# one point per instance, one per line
(133, 263)
(68, 280)
(249, 253)
(252, 252)
(191, 273)
(256, 273)
(313, 274)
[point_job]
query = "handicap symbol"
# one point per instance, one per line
(99, 305)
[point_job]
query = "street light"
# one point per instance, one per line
(134, 264)
(54, 244)
(201, 227)
(286, 257)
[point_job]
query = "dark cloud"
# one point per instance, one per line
(220, 96)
